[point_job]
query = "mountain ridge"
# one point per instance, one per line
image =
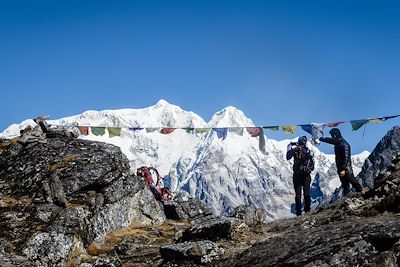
(222, 173)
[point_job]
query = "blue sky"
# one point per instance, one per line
(280, 62)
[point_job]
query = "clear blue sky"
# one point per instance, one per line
(280, 62)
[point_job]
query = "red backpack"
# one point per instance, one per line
(156, 188)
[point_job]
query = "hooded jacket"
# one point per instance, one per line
(342, 153)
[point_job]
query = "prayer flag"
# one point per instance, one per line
(150, 130)
(290, 129)
(135, 128)
(333, 124)
(272, 128)
(376, 120)
(98, 130)
(221, 132)
(307, 128)
(236, 130)
(188, 129)
(83, 129)
(253, 131)
(357, 124)
(258, 131)
(114, 131)
(201, 130)
(167, 130)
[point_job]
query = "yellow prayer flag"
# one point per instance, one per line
(114, 131)
(377, 120)
(201, 130)
(290, 129)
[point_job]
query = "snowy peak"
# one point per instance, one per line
(162, 114)
(230, 117)
(163, 104)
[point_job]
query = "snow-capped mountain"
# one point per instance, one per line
(223, 173)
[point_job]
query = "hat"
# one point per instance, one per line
(335, 131)
(302, 140)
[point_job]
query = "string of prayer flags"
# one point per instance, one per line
(390, 117)
(316, 130)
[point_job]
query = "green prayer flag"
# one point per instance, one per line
(272, 128)
(357, 124)
(188, 129)
(98, 130)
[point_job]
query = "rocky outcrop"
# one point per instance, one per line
(70, 202)
(381, 157)
(363, 230)
(60, 195)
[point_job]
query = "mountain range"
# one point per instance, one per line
(222, 173)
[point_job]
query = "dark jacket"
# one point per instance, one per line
(303, 159)
(342, 153)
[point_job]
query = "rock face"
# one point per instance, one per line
(381, 157)
(59, 195)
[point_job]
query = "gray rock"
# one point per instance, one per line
(381, 157)
(184, 207)
(198, 252)
(48, 248)
(210, 228)
(250, 214)
(141, 207)
(66, 193)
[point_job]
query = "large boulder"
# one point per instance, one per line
(184, 207)
(60, 195)
(199, 252)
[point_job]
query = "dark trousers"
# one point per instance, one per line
(346, 180)
(302, 180)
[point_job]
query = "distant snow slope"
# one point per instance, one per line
(221, 173)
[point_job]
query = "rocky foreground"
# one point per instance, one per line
(71, 202)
